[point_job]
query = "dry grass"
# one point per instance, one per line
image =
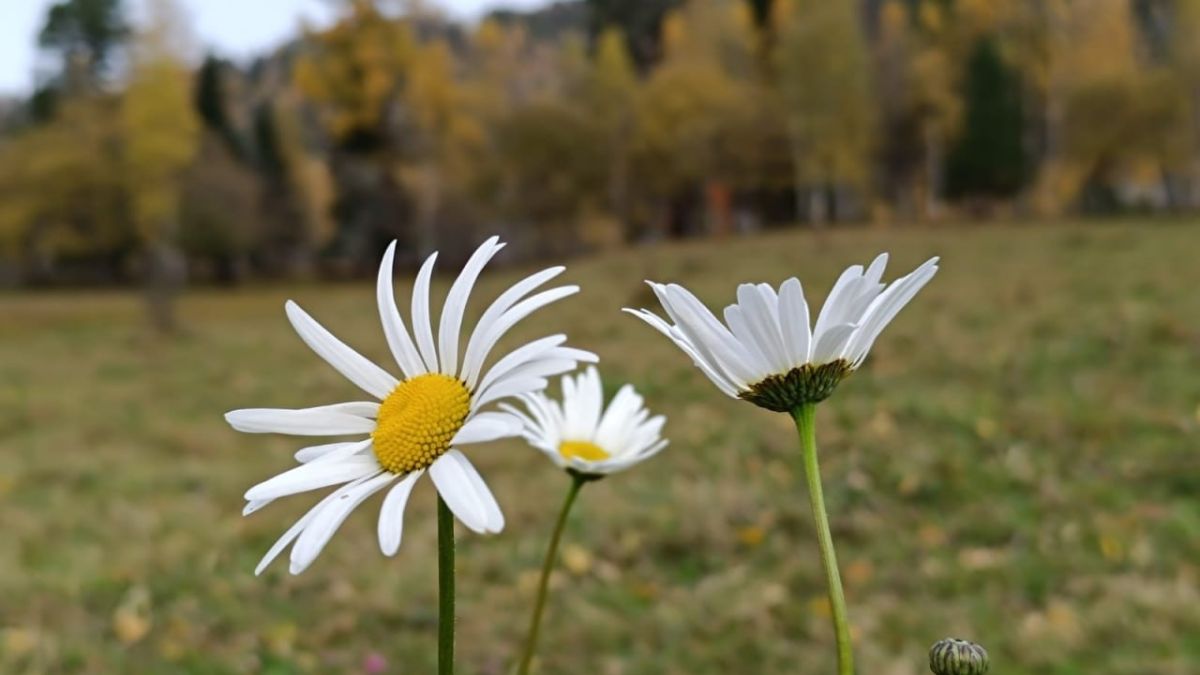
(1017, 463)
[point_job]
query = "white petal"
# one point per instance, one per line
(793, 318)
(457, 490)
(886, 307)
(403, 349)
(519, 356)
(493, 331)
(615, 426)
(255, 505)
(533, 369)
(422, 328)
(330, 518)
(735, 317)
(762, 314)
(487, 426)
(391, 515)
(832, 343)
(315, 452)
(472, 364)
(456, 303)
(326, 420)
(494, 517)
(312, 476)
(708, 335)
(298, 527)
(354, 366)
(723, 382)
(833, 312)
(511, 387)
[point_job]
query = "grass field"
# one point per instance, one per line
(1017, 463)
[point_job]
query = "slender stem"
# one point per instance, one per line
(535, 623)
(445, 589)
(837, 599)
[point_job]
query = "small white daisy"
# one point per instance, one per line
(581, 435)
(765, 351)
(420, 419)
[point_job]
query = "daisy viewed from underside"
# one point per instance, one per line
(766, 353)
(417, 422)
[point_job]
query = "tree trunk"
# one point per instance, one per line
(166, 270)
(934, 172)
(818, 206)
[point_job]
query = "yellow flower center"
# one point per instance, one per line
(585, 450)
(417, 421)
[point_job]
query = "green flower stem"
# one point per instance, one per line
(804, 416)
(445, 589)
(535, 623)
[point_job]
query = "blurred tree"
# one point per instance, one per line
(354, 74)
(86, 35)
(213, 103)
(609, 91)
(989, 158)
(639, 20)
(161, 135)
(824, 79)
(443, 137)
(693, 115)
(219, 213)
(1114, 117)
(62, 194)
(550, 183)
(1185, 55)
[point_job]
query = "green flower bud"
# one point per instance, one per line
(958, 657)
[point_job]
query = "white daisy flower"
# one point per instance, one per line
(416, 422)
(765, 351)
(580, 435)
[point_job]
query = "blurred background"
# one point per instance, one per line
(1016, 464)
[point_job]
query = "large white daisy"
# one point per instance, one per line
(582, 436)
(766, 352)
(416, 422)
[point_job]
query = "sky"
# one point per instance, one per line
(237, 29)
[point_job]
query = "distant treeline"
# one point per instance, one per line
(583, 125)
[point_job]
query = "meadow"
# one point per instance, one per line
(1017, 463)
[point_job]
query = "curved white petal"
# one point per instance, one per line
(398, 339)
(886, 307)
(352, 365)
(312, 476)
(793, 319)
(456, 303)
(511, 387)
(422, 328)
(298, 527)
(457, 490)
(520, 356)
(833, 312)
(326, 420)
(472, 361)
(330, 450)
(318, 533)
(391, 514)
(487, 426)
(494, 517)
(832, 343)
(495, 330)
(722, 381)
(708, 336)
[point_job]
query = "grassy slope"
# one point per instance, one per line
(1017, 463)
